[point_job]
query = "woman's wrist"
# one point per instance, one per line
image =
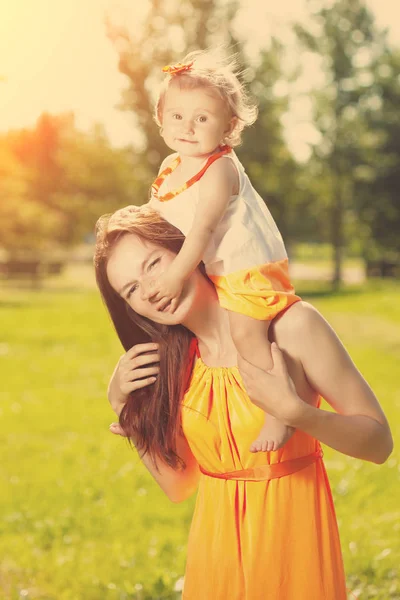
(299, 413)
(117, 401)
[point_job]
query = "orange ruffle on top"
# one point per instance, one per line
(264, 525)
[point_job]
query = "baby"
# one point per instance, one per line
(203, 190)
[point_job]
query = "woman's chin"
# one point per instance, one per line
(181, 310)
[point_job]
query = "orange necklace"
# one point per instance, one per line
(157, 183)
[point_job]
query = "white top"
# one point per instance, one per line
(246, 236)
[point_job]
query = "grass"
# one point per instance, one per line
(81, 519)
(321, 253)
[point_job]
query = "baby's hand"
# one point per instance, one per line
(166, 289)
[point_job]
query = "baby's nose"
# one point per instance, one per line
(187, 125)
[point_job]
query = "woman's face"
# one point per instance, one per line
(133, 265)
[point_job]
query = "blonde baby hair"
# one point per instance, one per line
(214, 70)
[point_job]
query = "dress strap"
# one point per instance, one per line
(193, 351)
(194, 347)
(168, 170)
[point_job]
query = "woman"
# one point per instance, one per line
(264, 524)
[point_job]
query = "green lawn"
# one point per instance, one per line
(81, 519)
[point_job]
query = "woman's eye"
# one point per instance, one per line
(153, 263)
(176, 116)
(133, 288)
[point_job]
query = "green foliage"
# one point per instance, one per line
(17, 212)
(344, 36)
(82, 519)
(57, 181)
(378, 177)
(269, 164)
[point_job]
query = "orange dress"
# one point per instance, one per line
(264, 524)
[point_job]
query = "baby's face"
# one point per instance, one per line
(195, 121)
(133, 265)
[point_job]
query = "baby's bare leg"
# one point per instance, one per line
(250, 337)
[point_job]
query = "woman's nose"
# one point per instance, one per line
(146, 288)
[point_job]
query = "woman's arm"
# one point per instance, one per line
(177, 485)
(359, 427)
(129, 375)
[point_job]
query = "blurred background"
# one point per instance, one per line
(80, 517)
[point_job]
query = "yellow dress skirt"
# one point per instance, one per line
(264, 525)
(260, 292)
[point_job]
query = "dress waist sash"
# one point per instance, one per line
(266, 472)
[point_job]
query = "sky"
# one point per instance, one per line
(55, 57)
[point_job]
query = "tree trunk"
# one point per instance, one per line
(337, 231)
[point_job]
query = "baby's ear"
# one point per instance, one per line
(231, 125)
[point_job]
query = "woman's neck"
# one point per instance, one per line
(210, 324)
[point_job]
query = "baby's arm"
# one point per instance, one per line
(216, 188)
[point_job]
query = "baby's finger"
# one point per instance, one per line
(173, 306)
(163, 303)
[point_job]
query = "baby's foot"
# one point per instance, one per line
(273, 435)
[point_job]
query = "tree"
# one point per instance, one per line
(56, 181)
(24, 224)
(343, 34)
(378, 177)
(268, 161)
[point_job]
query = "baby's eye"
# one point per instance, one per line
(202, 119)
(177, 116)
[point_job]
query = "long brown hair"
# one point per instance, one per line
(151, 416)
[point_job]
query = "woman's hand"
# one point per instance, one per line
(131, 373)
(273, 391)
